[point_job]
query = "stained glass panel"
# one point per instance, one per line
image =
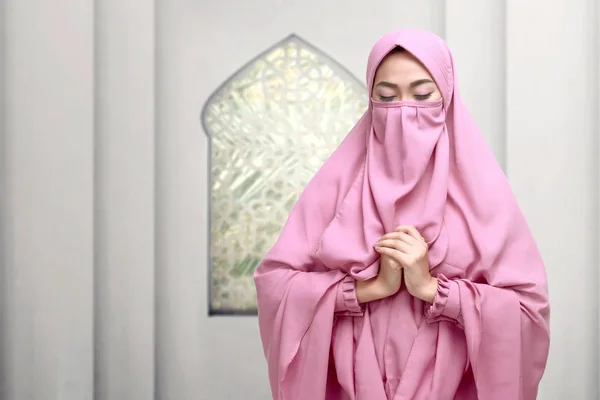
(270, 126)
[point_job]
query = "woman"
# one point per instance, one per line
(406, 269)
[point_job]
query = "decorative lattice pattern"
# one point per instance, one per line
(271, 127)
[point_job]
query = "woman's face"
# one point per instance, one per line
(401, 77)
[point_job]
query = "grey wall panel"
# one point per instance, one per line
(125, 199)
(48, 203)
(551, 161)
(479, 49)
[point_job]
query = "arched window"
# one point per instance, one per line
(270, 127)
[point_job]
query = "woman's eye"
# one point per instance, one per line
(386, 98)
(422, 97)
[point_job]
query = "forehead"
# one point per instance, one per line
(401, 67)
(429, 49)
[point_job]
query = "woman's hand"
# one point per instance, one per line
(408, 249)
(390, 275)
(385, 284)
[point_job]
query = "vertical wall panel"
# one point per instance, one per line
(181, 203)
(551, 161)
(48, 200)
(125, 97)
(595, 66)
(5, 389)
(479, 53)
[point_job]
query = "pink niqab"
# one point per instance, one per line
(406, 163)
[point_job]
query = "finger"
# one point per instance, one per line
(403, 236)
(411, 231)
(397, 245)
(394, 254)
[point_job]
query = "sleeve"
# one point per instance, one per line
(295, 319)
(506, 329)
(346, 303)
(446, 304)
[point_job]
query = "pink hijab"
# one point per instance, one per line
(410, 163)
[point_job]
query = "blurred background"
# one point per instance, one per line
(150, 152)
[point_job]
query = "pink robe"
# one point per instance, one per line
(424, 164)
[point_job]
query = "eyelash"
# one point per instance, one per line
(422, 97)
(418, 97)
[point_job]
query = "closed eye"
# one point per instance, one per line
(386, 98)
(422, 97)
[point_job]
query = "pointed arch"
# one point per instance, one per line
(271, 125)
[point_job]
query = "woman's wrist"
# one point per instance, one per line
(389, 287)
(428, 291)
(371, 289)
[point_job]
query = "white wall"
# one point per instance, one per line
(103, 190)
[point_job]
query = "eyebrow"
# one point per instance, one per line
(420, 82)
(412, 85)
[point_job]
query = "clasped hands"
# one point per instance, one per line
(405, 252)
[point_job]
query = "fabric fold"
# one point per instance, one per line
(347, 303)
(446, 305)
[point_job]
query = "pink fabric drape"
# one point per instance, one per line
(412, 163)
